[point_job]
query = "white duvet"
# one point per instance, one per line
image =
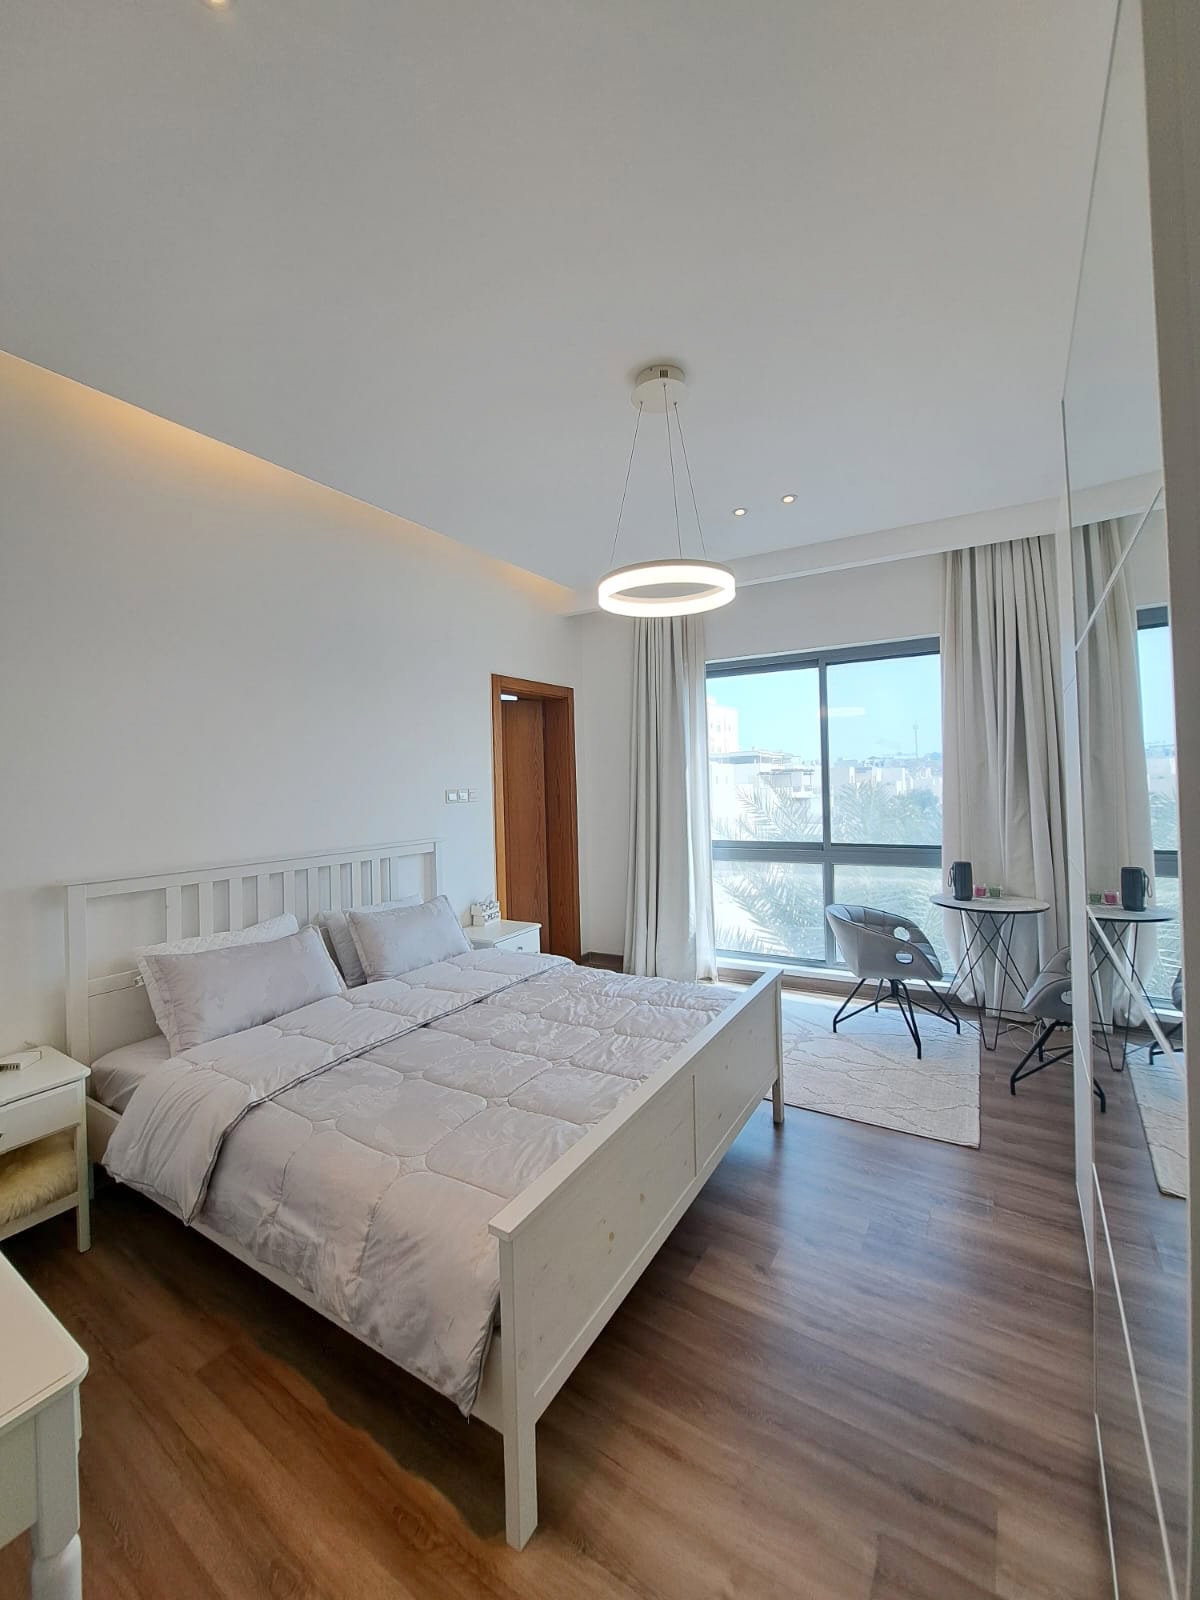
(362, 1144)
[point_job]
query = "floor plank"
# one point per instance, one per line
(858, 1370)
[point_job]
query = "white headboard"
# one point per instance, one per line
(107, 921)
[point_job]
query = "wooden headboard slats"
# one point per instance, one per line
(220, 901)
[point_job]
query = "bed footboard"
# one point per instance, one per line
(573, 1245)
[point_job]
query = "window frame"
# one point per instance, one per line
(826, 853)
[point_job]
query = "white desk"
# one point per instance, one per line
(41, 1368)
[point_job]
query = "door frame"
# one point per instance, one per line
(562, 840)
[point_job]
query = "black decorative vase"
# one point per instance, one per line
(1135, 882)
(962, 880)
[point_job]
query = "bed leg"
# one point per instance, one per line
(516, 1400)
(777, 1086)
(520, 1481)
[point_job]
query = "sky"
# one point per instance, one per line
(1158, 699)
(874, 704)
(872, 708)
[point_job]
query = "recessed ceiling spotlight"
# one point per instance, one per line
(217, 5)
(787, 499)
(739, 511)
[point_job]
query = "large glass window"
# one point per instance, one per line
(885, 750)
(1156, 681)
(826, 784)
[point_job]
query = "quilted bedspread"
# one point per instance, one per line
(362, 1144)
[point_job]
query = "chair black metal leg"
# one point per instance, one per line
(944, 1009)
(901, 996)
(1037, 1048)
(839, 1014)
(1099, 1093)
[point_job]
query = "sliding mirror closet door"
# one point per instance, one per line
(1126, 951)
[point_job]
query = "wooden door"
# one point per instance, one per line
(537, 832)
(527, 877)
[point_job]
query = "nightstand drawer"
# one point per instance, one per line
(530, 943)
(22, 1121)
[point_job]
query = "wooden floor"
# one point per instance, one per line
(858, 1370)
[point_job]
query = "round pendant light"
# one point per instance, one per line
(673, 586)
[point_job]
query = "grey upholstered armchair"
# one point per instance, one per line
(886, 949)
(1049, 1003)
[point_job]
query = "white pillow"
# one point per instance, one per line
(338, 930)
(260, 933)
(210, 994)
(390, 943)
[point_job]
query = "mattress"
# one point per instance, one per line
(116, 1075)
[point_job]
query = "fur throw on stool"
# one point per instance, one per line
(35, 1175)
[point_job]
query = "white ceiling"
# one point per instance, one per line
(417, 251)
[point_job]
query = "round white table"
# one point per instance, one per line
(988, 922)
(1118, 950)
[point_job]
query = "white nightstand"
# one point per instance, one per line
(47, 1096)
(502, 935)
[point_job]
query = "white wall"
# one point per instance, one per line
(206, 659)
(862, 605)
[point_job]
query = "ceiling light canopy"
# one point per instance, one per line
(675, 586)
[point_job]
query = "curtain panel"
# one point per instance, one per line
(1002, 768)
(669, 916)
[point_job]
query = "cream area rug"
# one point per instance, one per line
(1162, 1100)
(868, 1071)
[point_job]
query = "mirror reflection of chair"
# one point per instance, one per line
(1175, 1031)
(886, 949)
(1049, 1003)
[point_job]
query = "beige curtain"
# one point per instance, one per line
(1002, 770)
(669, 917)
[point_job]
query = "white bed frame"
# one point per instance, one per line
(575, 1242)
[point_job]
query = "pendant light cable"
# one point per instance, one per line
(691, 485)
(671, 459)
(628, 469)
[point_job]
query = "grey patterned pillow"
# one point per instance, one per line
(337, 930)
(257, 933)
(390, 943)
(208, 994)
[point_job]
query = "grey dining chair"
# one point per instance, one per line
(1048, 1001)
(881, 947)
